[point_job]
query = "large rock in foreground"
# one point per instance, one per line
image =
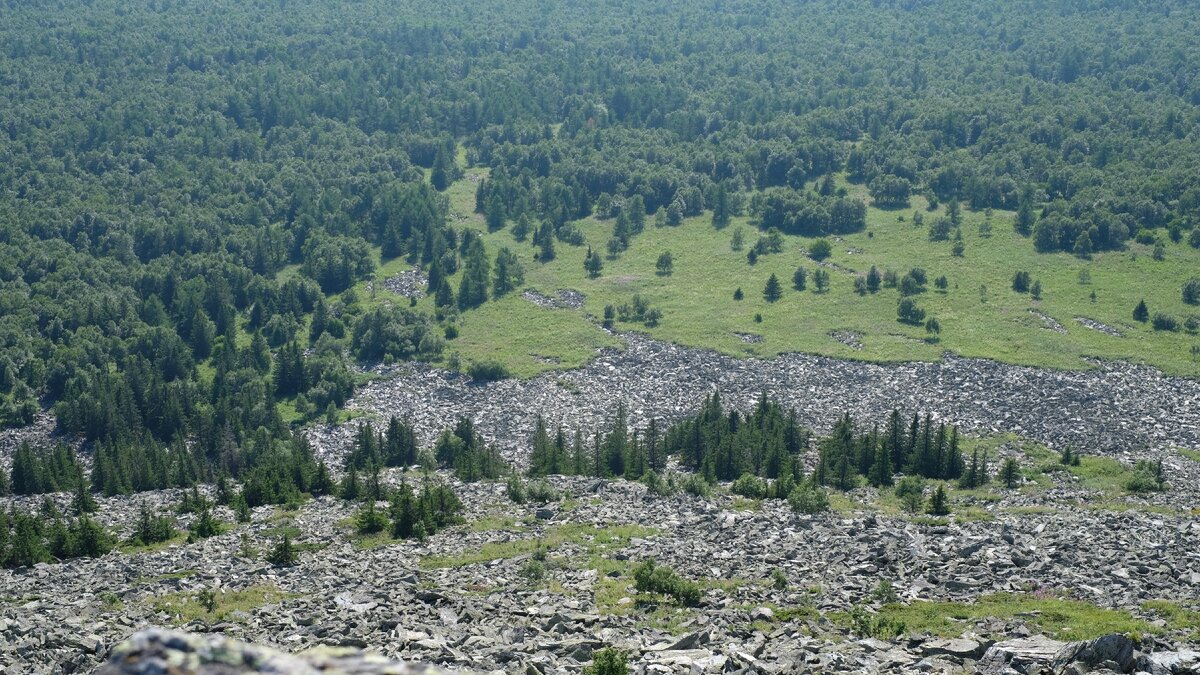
(155, 651)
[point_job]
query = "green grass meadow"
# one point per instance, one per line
(980, 315)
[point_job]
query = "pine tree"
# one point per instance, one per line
(1010, 473)
(26, 548)
(83, 502)
(800, 278)
(1023, 223)
(369, 520)
(406, 516)
(720, 217)
(938, 504)
(1140, 314)
(881, 468)
(874, 280)
(772, 292)
(592, 264)
(283, 554)
(322, 482)
(350, 490)
(952, 466)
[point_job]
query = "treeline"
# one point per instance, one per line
(768, 442)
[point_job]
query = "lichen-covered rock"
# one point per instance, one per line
(155, 651)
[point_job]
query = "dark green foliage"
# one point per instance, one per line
(283, 554)
(820, 250)
(649, 577)
(938, 503)
(1165, 322)
(1070, 458)
(1147, 476)
(750, 486)
(1010, 473)
(800, 279)
(38, 472)
(772, 291)
(607, 661)
(370, 520)
(737, 294)
(418, 516)
(723, 445)
(975, 473)
(1141, 313)
(464, 452)
(908, 312)
(911, 491)
(488, 371)
(808, 498)
(509, 273)
(397, 333)
(1020, 282)
(665, 265)
(1191, 291)
(151, 527)
(204, 526)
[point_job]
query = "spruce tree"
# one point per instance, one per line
(720, 217)
(592, 264)
(83, 502)
(1010, 473)
(283, 554)
(406, 517)
(938, 504)
(26, 547)
(881, 468)
(1140, 314)
(800, 278)
(350, 490)
(772, 292)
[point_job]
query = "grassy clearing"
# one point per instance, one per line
(1058, 618)
(1179, 617)
(593, 539)
(980, 315)
(188, 607)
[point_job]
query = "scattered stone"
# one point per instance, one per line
(849, 338)
(410, 283)
(1096, 325)
(1049, 322)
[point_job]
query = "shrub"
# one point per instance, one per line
(607, 662)
(515, 489)
(370, 520)
(808, 498)
(1191, 291)
(938, 503)
(820, 249)
(779, 580)
(749, 486)
(908, 312)
(1164, 322)
(533, 571)
(696, 486)
(541, 492)
(488, 371)
(1147, 477)
(651, 578)
(284, 553)
(656, 485)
